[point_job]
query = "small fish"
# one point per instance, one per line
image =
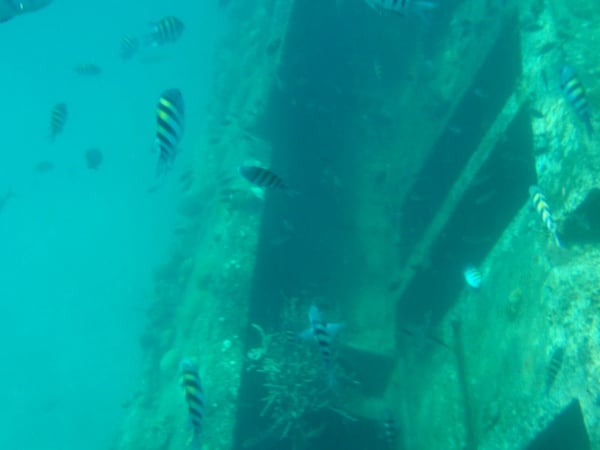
(58, 118)
(472, 277)
(130, 45)
(169, 128)
(261, 177)
(323, 333)
(194, 395)
(390, 431)
(554, 366)
(538, 199)
(44, 166)
(93, 158)
(88, 69)
(403, 8)
(576, 96)
(166, 30)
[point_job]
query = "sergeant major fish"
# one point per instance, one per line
(472, 276)
(194, 395)
(265, 179)
(538, 199)
(129, 46)
(576, 96)
(58, 118)
(403, 7)
(166, 30)
(169, 128)
(261, 177)
(323, 333)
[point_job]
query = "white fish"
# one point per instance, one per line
(472, 277)
(403, 7)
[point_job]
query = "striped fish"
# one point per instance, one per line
(554, 366)
(169, 128)
(390, 431)
(538, 199)
(194, 395)
(165, 31)
(472, 277)
(263, 178)
(58, 118)
(129, 46)
(403, 8)
(576, 96)
(323, 333)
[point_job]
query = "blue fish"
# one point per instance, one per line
(576, 96)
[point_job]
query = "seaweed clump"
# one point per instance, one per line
(294, 382)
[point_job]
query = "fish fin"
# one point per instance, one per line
(258, 192)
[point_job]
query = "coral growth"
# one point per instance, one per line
(294, 381)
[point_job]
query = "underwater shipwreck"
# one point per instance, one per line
(411, 154)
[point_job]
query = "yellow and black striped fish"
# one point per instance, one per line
(169, 128)
(194, 395)
(58, 118)
(166, 30)
(575, 94)
(129, 46)
(538, 199)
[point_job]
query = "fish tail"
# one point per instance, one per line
(557, 240)
(196, 443)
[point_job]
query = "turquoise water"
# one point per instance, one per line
(78, 246)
